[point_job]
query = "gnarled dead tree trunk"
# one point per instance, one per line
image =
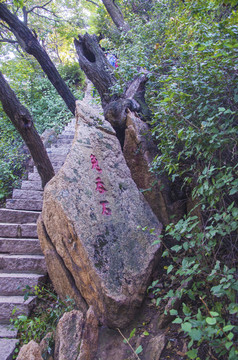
(22, 120)
(98, 70)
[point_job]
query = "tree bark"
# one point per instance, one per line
(22, 120)
(116, 15)
(94, 63)
(31, 45)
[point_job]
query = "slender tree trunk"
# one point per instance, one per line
(116, 15)
(22, 120)
(31, 45)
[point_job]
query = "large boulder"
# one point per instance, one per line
(139, 151)
(98, 225)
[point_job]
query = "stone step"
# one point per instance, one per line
(64, 141)
(57, 158)
(18, 216)
(31, 185)
(7, 348)
(8, 303)
(14, 283)
(66, 135)
(27, 194)
(7, 331)
(58, 151)
(22, 263)
(34, 176)
(10, 230)
(20, 246)
(24, 204)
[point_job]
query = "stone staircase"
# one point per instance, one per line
(21, 260)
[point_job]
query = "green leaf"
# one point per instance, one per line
(170, 268)
(211, 321)
(177, 321)
(139, 350)
(132, 333)
(228, 328)
(186, 326)
(173, 312)
(214, 313)
(146, 333)
(192, 354)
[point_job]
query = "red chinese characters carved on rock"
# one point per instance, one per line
(94, 163)
(105, 210)
(100, 186)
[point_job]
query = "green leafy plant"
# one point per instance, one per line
(49, 310)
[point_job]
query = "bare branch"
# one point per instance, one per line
(39, 7)
(46, 17)
(8, 41)
(93, 3)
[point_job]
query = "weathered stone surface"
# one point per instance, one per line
(18, 216)
(7, 347)
(20, 246)
(27, 194)
(89, 343)
(49, 137)
(68, 336)
(8, 303)
(155, 347)
(18, 230)
(23, 263)
(61, 278)
(93, 214)
(139, 151)
(24, 204)
(30, 351)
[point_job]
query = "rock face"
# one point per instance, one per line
(139, 151)
(93, 215)
(68, 336)
(31, 351)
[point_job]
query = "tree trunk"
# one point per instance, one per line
(116, 15)
(98, 70)
(22, 120)
(31, 45)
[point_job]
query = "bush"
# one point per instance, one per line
(189, 52)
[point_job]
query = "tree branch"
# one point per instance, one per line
(23, 122)
(31, 45)
(8, 41)
(39, 7)
(93, 3)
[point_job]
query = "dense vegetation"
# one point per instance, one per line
(48, 109)
(189, 52)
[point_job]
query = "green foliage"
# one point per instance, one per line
(11, 157)
(189, 54)
(45, 105)
(72, 74)
(45, 318)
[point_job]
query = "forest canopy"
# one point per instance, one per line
(188, 51)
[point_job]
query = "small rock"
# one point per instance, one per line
(155, 347)
(68, 336)
(88, 348)
(30, 351)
